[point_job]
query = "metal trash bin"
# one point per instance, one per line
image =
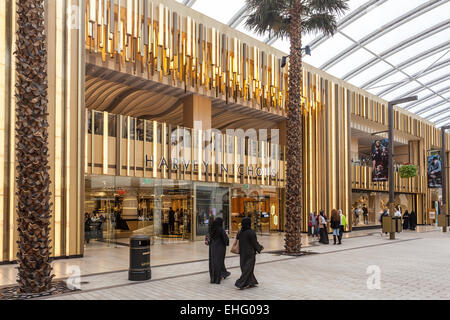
(392, 224)
(397, 224)
(139, 258)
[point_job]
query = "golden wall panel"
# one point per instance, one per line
(256, 166)
(181, 50)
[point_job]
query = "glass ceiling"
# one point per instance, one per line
(391, 48)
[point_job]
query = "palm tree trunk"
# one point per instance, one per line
(294, 198)
(33, 180)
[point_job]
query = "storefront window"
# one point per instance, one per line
(149, 131)
(261, 204)
(367, 207)
(124, 127)
(89, 125)
(132, 128)
(158, 132)
(119, 207)
(98, 123)
(140, 129)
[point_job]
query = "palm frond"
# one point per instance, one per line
(273, 16)
(320, 22)
(268, 16)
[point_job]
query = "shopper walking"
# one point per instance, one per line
(335, 224)
(323, 228)
(316, 225)
(311, 224)
(218, 241)
(356, 216)
(342, 225)
(248, 247)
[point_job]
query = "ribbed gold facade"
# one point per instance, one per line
(166, 43)
(148, 149)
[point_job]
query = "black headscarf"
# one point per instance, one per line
(216, 226)
(246, 224)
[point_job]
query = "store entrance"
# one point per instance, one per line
(176, 214)
(100, 219)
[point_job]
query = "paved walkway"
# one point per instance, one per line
(414, 266)
(101, 258)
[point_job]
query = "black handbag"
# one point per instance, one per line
(207, 240)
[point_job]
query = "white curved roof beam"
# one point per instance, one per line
(405, 64)
(430, 107)
(394, 24)
(189, 3)
(425, 99)
(400, 84)
(438, 113)
(444, 120)
(402, 65)
(347, 20)
(238, 17)
(398, 47)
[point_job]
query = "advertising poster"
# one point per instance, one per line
(434, 172)
(380, 160)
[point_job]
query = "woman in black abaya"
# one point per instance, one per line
(248, 247)
(412, 220)
(218, 241)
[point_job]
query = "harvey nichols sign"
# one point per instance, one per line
(213, 142)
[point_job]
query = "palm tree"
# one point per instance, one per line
(289, 18)
(33, 180)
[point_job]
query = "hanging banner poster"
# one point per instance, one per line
(380, 160)
(434, 172)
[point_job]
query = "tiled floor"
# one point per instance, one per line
(411, 267)
(99, 258)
